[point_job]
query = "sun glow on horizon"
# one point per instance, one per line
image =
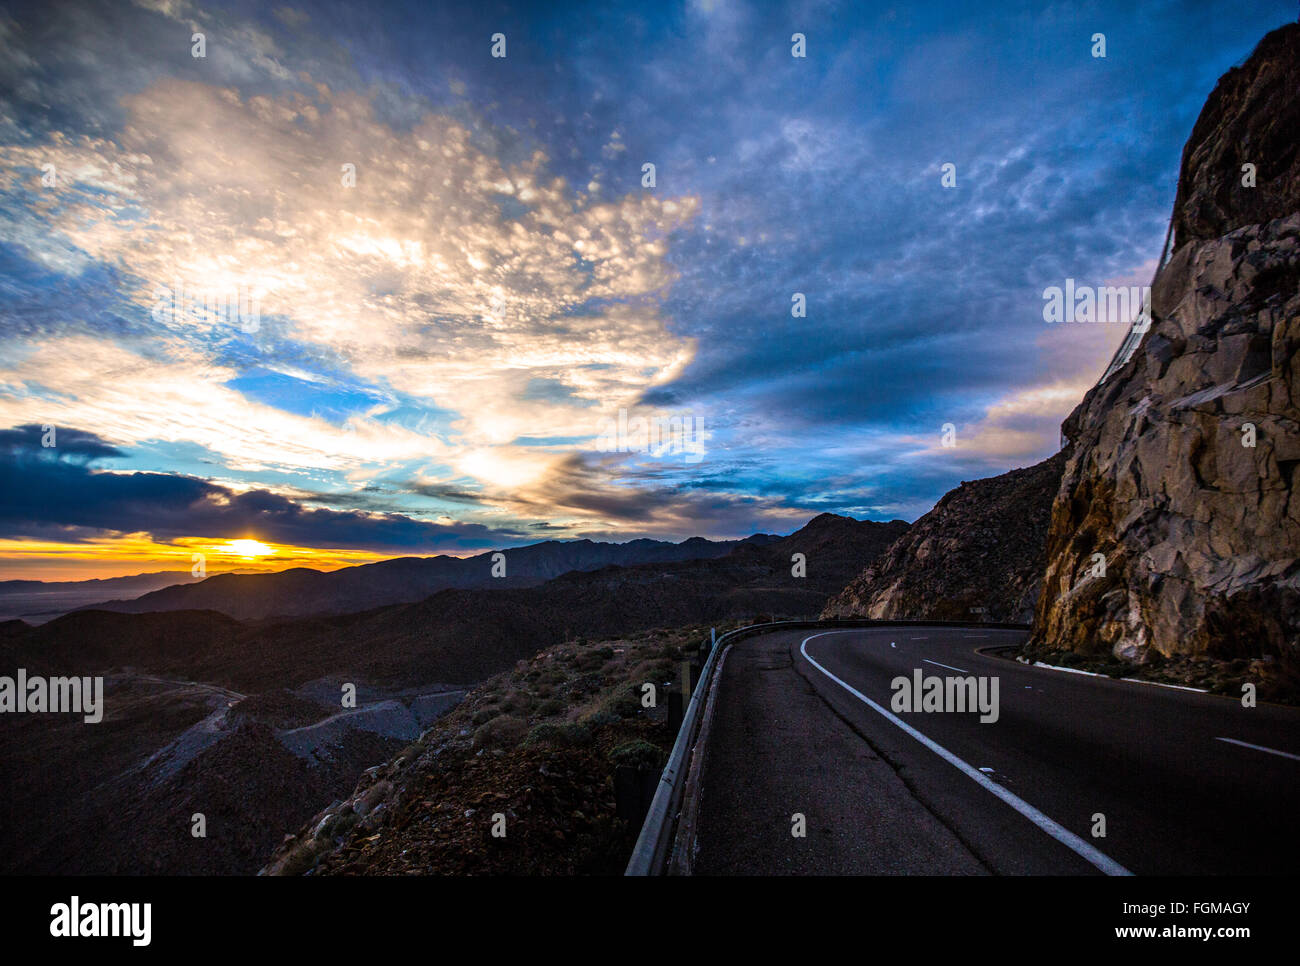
(125, 555)
(250, 549)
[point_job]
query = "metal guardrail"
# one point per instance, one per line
(654, 844)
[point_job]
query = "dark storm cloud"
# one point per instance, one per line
(56, 493)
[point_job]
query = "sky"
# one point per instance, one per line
(382, 279)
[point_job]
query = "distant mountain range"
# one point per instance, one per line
(42, 599)
(302, 591)
(457, 635)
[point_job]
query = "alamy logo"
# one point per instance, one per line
(74, 920)
(954, 694)
(239, 306)
(35, 694)
(1083, 303)
(656, 436)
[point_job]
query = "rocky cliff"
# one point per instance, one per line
(980, 547)
(1176, 530)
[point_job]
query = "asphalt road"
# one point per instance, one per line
(941, 793)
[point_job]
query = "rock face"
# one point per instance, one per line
(1184, 463)
(1251, 117)
(981, 546)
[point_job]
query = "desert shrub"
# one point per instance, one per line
(592, 659)
(563, 734)
(626, 702)
(517, 701)
(600, 718)
(638, 753)
(504, 731)
(304, 856)
(550, 707)
(586, 683)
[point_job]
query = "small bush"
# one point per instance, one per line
(304, 856)
(626, 703)
(550, 707)
(564, 734)
(517, 702)
(501, 732)
(638, 753)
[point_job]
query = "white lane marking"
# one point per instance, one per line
(1161, 684)
(1271, 751)
(1063, 835)
(948, 666)
(1098, 674)
(974, 635)
(918, 638)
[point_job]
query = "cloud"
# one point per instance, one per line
(53, 493)
(71, 445)
(175, 395)
(444, 276)
(417, 276)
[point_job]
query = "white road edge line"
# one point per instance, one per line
(948, 666)
(1097, 674)
(1063, 835)
(1271, 751)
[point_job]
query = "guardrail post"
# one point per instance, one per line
(679, 697)
(676, 710)
(634, 790)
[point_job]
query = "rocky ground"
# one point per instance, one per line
(537, 745)
(120, 797)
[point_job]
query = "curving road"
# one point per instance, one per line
(803, 724)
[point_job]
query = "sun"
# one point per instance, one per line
(249, 549)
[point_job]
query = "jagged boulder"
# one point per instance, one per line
(1251, 117)
(977, 554)
(1198, 529)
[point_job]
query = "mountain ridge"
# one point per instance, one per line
(303, 591)
(982, 546)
